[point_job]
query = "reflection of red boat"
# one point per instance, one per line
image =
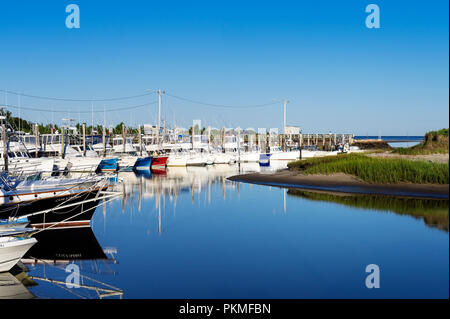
(159, 162)
(158, 171)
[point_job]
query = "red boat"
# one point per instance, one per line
(159, 162)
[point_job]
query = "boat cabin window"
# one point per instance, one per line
(29, 139)
(117, 141)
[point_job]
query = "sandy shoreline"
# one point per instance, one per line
(342, 183)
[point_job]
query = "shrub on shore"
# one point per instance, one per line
(376, 170)
(435, 142)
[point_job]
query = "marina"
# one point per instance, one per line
(93, 202)
(223, 159)
(208, 205)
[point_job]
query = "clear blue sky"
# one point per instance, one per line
(338, 75)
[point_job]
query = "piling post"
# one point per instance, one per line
(5, 146)
(123, 138)
(222, 139)
(300, 144)
(239, 147)
(104, 140)
(62, 141)
(209, 137)
(84, 139)
(140, 139)
(36, 142)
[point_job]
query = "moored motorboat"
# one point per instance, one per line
(143, 163)
(159, 162)
(264, 159)
(108, 165)
(12, 249)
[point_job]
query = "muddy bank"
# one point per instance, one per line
(342, 183)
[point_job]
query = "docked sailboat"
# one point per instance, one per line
(52, 203)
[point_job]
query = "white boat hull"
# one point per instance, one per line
(177, 161)
(249, 157)
(12, 250)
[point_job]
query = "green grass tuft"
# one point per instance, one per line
(376, 170)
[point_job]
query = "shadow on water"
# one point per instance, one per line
(434, 212)
(56, 249)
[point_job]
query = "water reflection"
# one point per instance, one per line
(194, 229)
(180, 180)
(13, 285)
(58, 248)
(433, 212)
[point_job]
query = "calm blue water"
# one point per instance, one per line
(400, 141)
(392, 137)
(197, 235)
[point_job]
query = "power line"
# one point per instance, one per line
(76, 99)
(222, 105)
(65, 111)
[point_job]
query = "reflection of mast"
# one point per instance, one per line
(101, 292)
(284, 200)
(140, 194)
(104, 215)
(192, 191)
(159, 213)
(223, 187)
(175, 197)
(209, 189)
(239, 189)
(123, 197)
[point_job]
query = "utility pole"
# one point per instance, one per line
(159, 119)
(92, 119)
(285, 102)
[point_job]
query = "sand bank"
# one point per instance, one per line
(343, 183)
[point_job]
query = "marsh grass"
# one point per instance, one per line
(376, 170)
